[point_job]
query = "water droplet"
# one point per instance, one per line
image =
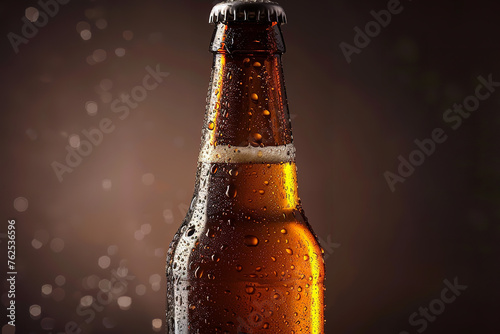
(211, 125)
(306, 257)
(231, 191)
(297, 297)
(239, 268)
(250, 290)
(254, 97)
(198, 273)
(276, 296)
(214, 169)
(215, 258)
(261, 192)
(273, 258)
(246, 62)
(266, 325)
(283, 231)
(191, 231)
(289, 251)
(266, 112)
(257, 136)
(251, 240)
(257, 64)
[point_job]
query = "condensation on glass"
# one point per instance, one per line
(245, 259)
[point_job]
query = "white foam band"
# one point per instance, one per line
(248, 154)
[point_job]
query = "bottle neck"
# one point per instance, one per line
(246, 103)
(247, 138)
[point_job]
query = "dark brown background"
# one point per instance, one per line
(387, 253)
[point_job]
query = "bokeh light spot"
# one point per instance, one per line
(74, 141)
(99, 55)
(91, 108)
(168, 216)
(155, 278)
(106, 84)
(106, 184)
(120, 52)
(146, 228)
(90, 282)
(140, 290)
(21, 204)
(60, 280)
(148, 179)
(46, 290)
(112, 250)
(36, 244)
(57, 245)
(86, 34)
(86, 301)
(124, 302)
(101, 24)
(32, 14)
(90, 60)
(35, 310)
(159, 252)
(105, 285)
(157, 323)
(104, 262)
(138, 235)
(128, 35)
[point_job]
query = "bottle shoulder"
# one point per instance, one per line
(278, 249)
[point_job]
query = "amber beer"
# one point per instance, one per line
(245, 259)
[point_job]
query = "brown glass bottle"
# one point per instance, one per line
(245, 259)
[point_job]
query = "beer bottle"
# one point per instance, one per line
(245, 259)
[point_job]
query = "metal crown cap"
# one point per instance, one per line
(260, 11)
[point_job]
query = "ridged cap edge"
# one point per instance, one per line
(247, 11)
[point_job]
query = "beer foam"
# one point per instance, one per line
(248, 154)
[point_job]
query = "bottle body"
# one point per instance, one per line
(245, 259)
